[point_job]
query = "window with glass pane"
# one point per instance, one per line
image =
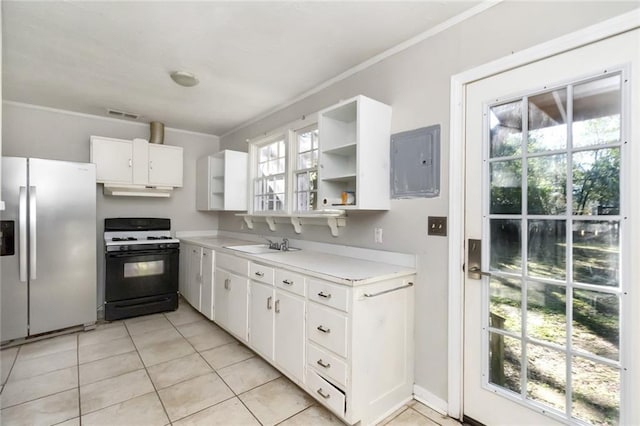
(554, 223)
(269, 189)
(306, 173)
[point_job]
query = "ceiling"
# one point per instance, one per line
(250, 57)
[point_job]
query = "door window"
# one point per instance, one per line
(553, 214)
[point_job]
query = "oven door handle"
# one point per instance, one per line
(141, 253)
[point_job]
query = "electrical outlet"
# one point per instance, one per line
(377, 235)
(437, 225)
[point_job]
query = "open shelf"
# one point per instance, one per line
(221, 181)
(347, 150)
(355, 142)
(341, 178)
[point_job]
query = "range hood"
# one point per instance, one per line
(137, 190)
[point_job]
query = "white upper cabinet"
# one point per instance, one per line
(113, 159)
(221, 181)
(354, 155)
(136, 165)
(165, 165)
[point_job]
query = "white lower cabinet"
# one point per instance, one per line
(261, 319)
(333, 397)
(191, 276)
(360, 347)
(350, 347)
(276, 324)
(196, 277)
(206, 287)
(327, 328)
(289, 338)
(330, 365)
(231, 302)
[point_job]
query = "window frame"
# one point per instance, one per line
(254, 149)
(288, 133)
(295, 171)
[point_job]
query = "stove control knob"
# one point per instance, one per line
(162, 246)
(123, 248)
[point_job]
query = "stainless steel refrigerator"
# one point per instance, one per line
(48, 251)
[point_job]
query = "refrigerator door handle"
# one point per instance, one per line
(32, 232)
(22, 224)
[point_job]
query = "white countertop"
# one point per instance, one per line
(341, 269)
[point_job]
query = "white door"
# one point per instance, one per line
(165, 165)
(237, 314)
(289, 333)
(552, 193)
(261, 318)
(221, 282)
(206, 287)
(113, 159)
(194, 277)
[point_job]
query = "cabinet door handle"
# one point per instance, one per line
(130, 162)
(323, 330)
(269, 299)
(278, 306)
(322, 364)
(260, 274)
(322, 394)
(287, 282)
(226, 283)
(325, 295)
(150, 165)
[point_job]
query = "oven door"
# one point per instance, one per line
(131, 275)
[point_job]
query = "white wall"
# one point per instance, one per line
(43, 133)
(415, 83)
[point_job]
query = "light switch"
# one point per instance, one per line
(437, 225)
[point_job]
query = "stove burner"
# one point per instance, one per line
(158, 238)
(123, 239)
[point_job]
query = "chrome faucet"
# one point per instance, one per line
(274, 245)
(284, 245)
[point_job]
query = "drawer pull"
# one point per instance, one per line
(324, 330)
(322, 364)
(287, 282)
(226, 283)
(322, 394)
(260, 274)
(387, 291)
(325, 295)
(269, 299)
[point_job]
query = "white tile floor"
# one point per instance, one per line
(175, 368)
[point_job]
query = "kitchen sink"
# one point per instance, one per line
(257, 249)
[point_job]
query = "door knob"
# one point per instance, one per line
(474, 270)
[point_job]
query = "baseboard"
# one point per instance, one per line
(430, 400)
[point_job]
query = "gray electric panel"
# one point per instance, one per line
(415, 163)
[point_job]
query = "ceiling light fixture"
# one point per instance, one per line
(184, 78)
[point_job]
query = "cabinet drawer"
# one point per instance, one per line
(261, 273)
(326, 392)
(329, 294)
(290, 281)
(327, 364)
(232, 263)
(327, 328)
